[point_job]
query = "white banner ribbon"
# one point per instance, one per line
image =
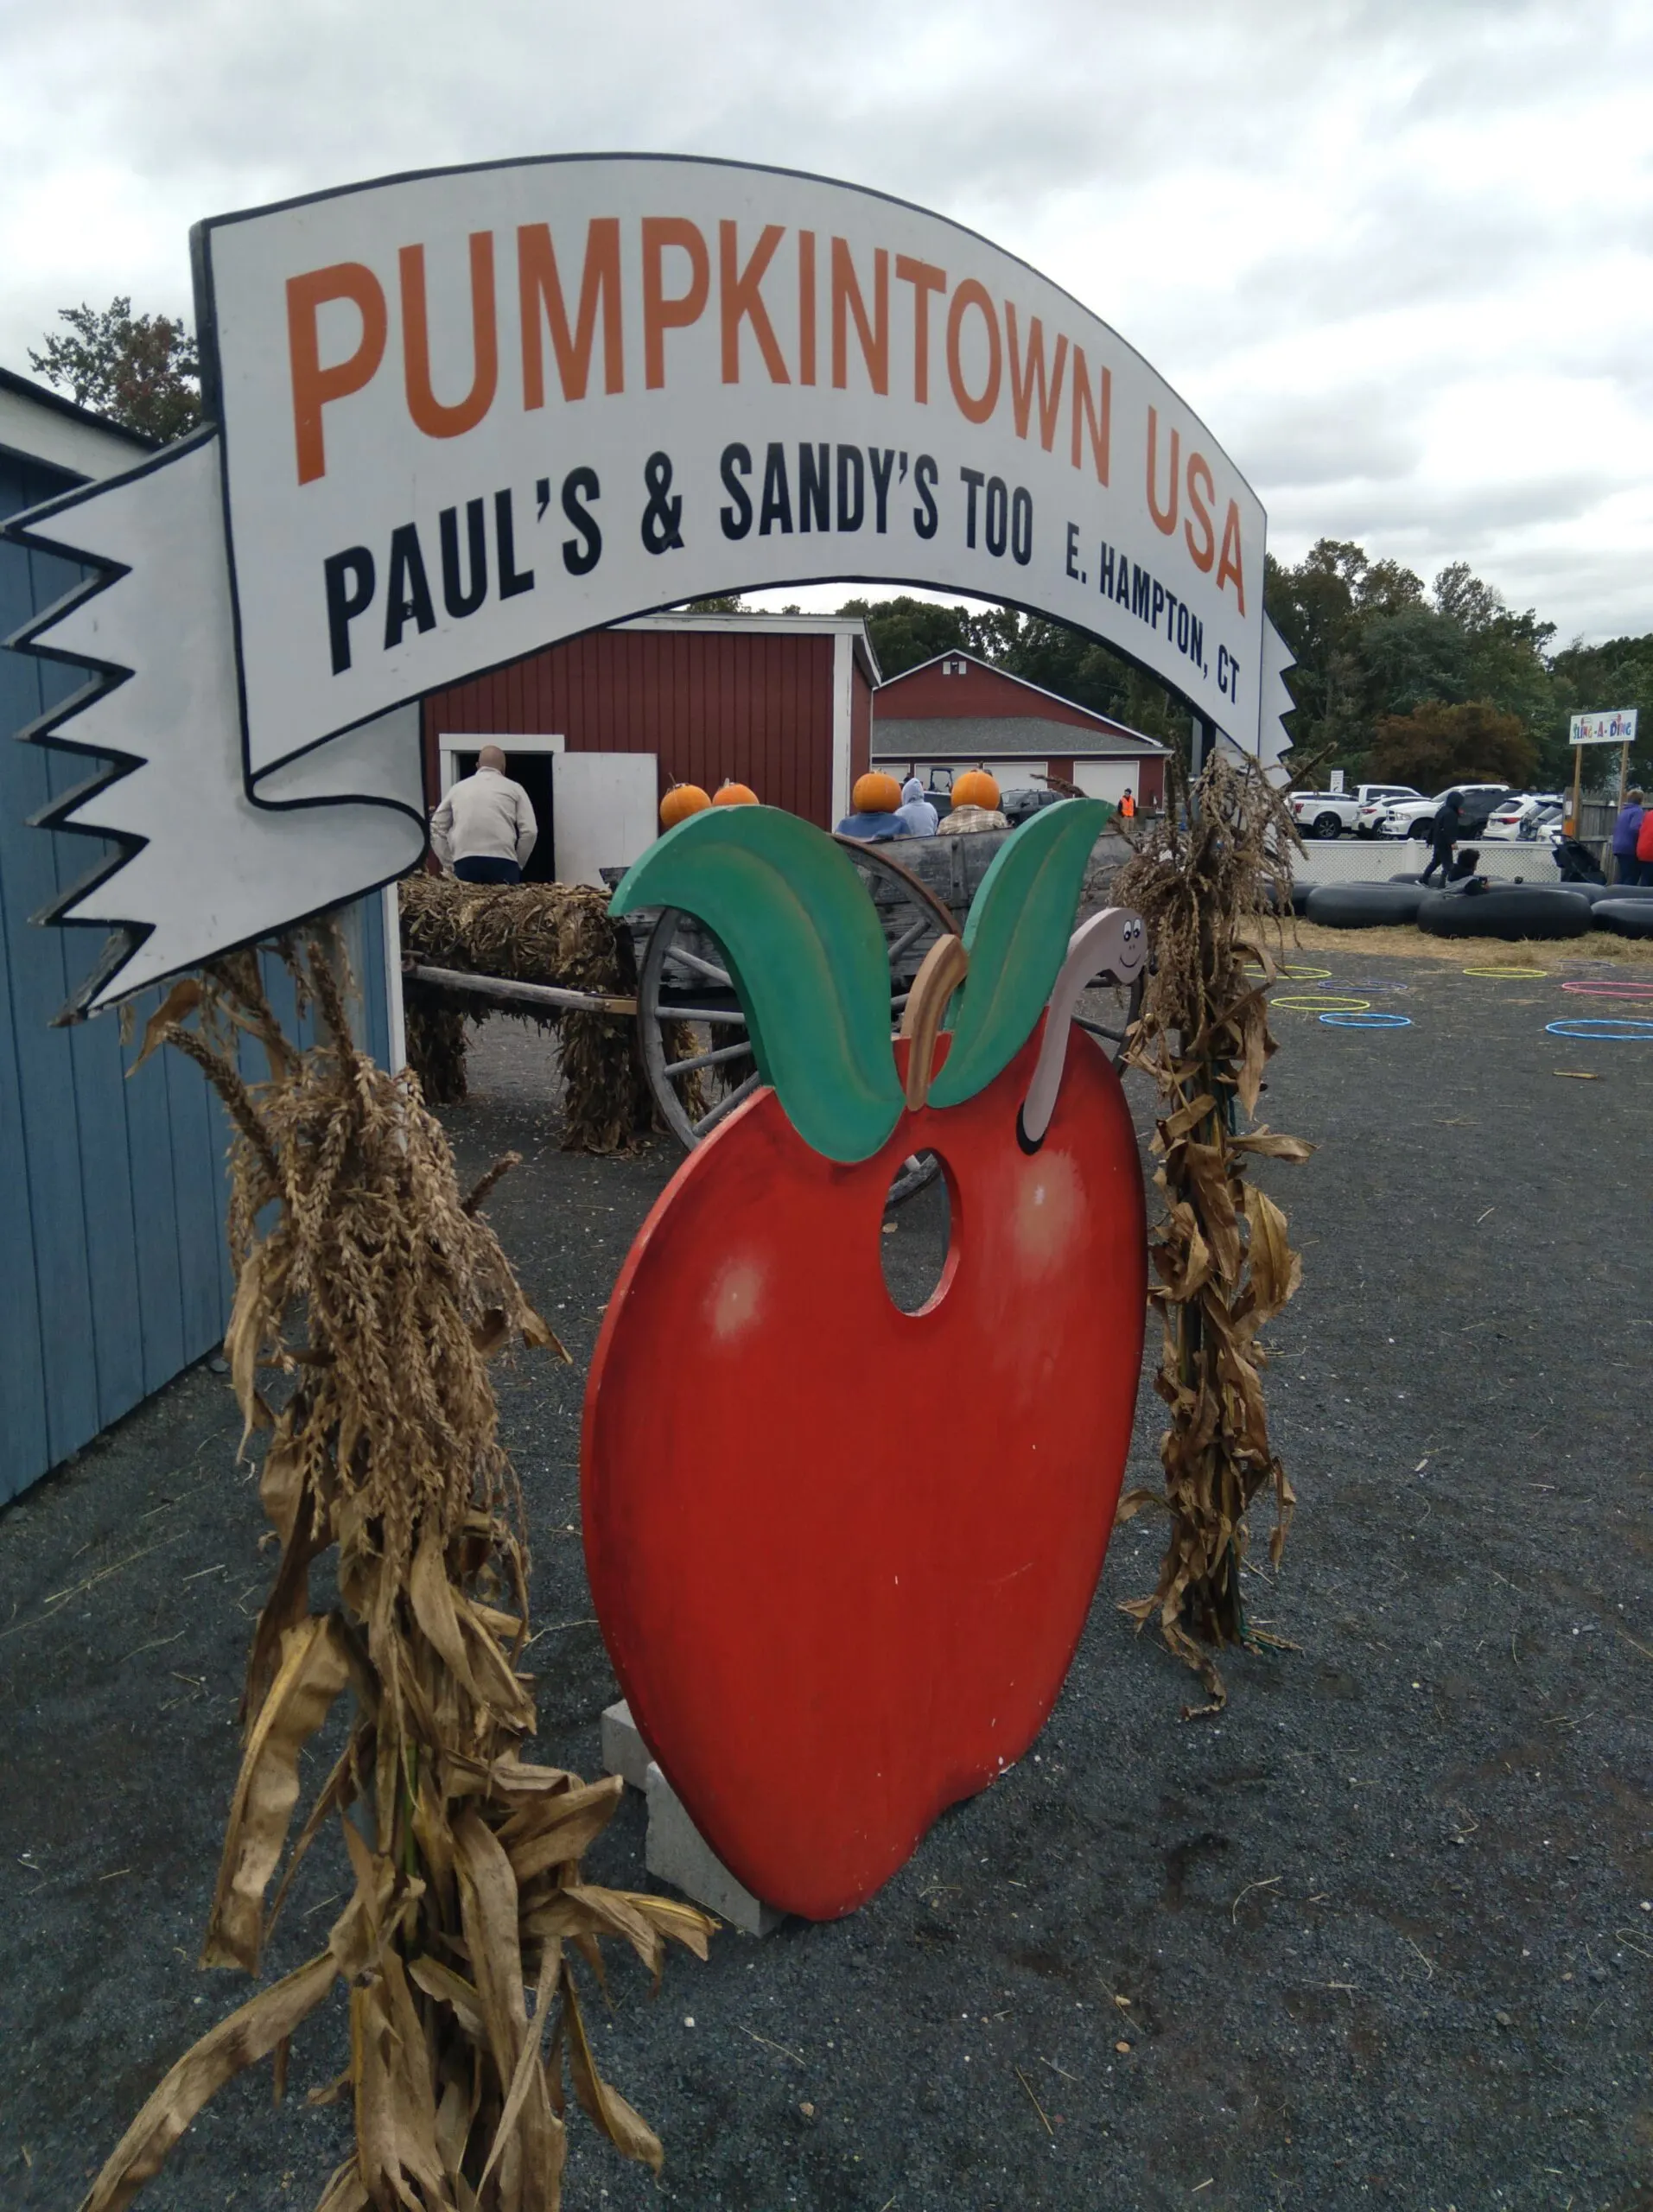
(463, 416)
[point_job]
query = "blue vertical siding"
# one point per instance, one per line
(113, 1270)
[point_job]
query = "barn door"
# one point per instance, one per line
(603, 813)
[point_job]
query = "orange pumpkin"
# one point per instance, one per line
(975, 788)
(679, 803)
(735, 795)
(876, 793)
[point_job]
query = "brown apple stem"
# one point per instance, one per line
(943, 969)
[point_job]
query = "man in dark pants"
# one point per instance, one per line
(1627, 868)
(485, 829)
(1448, 829)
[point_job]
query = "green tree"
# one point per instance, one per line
(1411, 658)
(1318, 608)
(142, 372)
(1372, 646)
(1068, 662)
(1469, 743)
(1506, 653)
(905, 631)
(1595, 679)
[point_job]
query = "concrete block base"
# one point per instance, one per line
(678, 1853)
(675, 1851)
(624, 1751)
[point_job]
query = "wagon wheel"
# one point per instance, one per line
(1108, 1009)
(696, 1054)
(696, 1051)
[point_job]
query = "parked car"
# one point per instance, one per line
(1416, 817)
(1019, 806)
(1328, 814)
(1524, 817)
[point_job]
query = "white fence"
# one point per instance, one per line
(1375, 860)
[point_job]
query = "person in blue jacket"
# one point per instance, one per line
(1626, 867)
(870, 828)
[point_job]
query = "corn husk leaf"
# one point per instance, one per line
(1221, 1261)
(235, 2043)
(620, 2121)
(178, 1004)
(312, 1672)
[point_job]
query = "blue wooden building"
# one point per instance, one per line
(113, 1271)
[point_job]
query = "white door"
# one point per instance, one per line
(603, 811)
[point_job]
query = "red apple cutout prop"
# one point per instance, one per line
(841, 1554)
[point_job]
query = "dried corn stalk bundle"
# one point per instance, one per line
(375, 1298)
(434, 1027)
(1221, 1254)
(557, 933)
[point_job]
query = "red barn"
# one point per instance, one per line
(596, 728)
(958, 712)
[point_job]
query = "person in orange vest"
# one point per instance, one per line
(1128, 807)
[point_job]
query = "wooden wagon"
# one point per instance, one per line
(693, 1039)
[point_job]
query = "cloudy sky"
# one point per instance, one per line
(1396, 254)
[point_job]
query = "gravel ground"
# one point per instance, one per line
(1382, 1933)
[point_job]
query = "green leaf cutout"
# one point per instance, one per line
(807, 957)
(1017, 936)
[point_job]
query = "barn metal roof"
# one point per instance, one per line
(40, 425)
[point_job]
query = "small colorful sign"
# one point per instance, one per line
(1616, 728)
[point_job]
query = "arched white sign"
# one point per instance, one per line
(460, 415)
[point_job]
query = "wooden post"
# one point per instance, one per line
(1624, 771)
(1578, 776)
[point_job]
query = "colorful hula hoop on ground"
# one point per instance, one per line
(1513, 974)
(1288, 974)
(1598, 987)
(1325, 1004)
(1367, 1021)
(1625, 1032)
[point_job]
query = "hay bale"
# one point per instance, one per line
(436, 1040)
(559, 933)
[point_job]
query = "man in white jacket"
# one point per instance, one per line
(485, 829)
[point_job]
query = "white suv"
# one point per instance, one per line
(1415, 817)
(1525, 818)
(1328, 814)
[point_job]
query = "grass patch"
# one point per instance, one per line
(1408, 943)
